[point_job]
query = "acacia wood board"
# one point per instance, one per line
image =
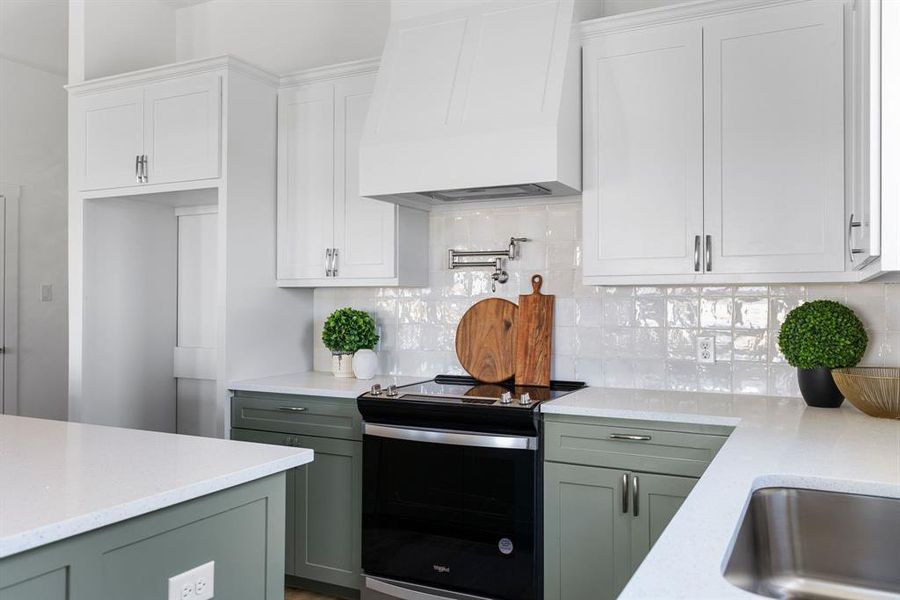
(486, 340)
(534, 336)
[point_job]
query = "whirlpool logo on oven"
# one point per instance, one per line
(440, 568)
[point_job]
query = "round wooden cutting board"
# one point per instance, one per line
(486, 340)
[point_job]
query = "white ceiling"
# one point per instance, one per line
(36, 32)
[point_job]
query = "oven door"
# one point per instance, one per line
(452, 510)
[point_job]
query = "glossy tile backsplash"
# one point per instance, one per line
(629, 336)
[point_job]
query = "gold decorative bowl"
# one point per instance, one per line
(873, 390)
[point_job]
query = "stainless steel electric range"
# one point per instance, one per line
(452, 490)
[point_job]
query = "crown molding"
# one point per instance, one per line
(676, 13)
(172, 71)
(346, 69)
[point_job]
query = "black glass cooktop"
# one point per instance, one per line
(455, 389)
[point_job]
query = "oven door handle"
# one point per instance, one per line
(453, 438)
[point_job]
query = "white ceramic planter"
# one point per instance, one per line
(365, 364)
(342, 365)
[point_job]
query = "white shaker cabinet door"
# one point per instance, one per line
(107, 139)
(643, 171)
(306, 180)
(774, 140)
(183, 129)
(364, 228)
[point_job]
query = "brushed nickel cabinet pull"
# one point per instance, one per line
(624, 493)
(327, 262)
(334, 262)
(145, 163)
(292, 408)
(634, 495)
(850, 227)
(137, 168)
(630, 437)
(697, 253)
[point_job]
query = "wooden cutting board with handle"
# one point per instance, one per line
(533, 337)
(486, 340)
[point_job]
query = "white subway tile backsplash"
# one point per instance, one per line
(624, 336)
(683, 312)
(751, 312)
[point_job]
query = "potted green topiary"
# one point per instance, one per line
(819, 336)
(347, 330)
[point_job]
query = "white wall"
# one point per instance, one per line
(33, 155)
(283, 36)
(130, 280)
(108, 37)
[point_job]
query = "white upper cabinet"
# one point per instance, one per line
(774, 140)
(182, 124)
(643, 168)
(146, 133)
(107, 138)
(329, 235)
(364, 229)
(714, 146)
(306, 178)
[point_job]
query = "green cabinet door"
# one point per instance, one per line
(586, 533)
(658, 499)
(265, 437)
(328, 512)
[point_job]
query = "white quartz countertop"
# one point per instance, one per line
(318, 383)
(60, 479)
(776, 442)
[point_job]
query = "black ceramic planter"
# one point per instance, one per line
(818, 388)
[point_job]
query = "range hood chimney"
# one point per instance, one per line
(477, 103)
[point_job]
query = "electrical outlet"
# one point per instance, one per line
(196, 584)
(706, 349)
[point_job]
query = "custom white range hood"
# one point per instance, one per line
(476, 103)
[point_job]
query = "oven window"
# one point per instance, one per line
(450, 516)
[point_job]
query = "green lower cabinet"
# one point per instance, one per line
(595, 535)
(240, 529)
(49, 586)
(586, 534)
(323, 517)
(327, 513)
(659, 498)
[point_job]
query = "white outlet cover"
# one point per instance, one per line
(196, 584)
(706, 349)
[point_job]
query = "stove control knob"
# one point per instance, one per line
(505, 398)
(392, 391)
(376, 390)
(525, 399)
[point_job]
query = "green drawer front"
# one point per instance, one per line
(659, 451)
(303, 415)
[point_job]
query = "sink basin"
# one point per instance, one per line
(796, 543)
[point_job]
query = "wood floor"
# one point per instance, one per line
(292, 594)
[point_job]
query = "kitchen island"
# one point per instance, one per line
(775, 442)
(88, 512)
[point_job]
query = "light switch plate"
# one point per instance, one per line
(196, 584)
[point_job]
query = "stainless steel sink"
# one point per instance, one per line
(809, 544)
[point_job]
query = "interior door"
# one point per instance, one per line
(108, 137)
(364, 228)
(774, 140)
(183, 129)
(643, 172)
(658, 499)
(306, 180)
(586, 533)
